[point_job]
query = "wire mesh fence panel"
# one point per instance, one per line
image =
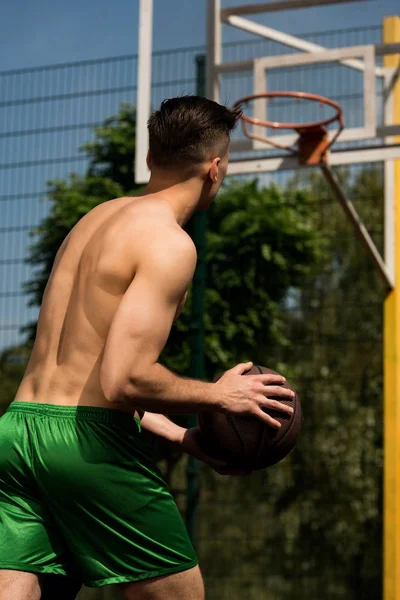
(309, 527)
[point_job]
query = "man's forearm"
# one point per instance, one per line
(162, 427)
(159, 390)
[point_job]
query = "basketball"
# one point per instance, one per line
(246, 443)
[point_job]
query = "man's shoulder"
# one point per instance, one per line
(155, 226)
(167, 242)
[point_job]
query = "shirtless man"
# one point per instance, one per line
(80, 496)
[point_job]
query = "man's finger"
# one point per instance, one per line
(271, 404)
(242, 368)
(276, 391)
(270, 379)
(266, 418)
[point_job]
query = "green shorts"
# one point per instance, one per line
(81, 496)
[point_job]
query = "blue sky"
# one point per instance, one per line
(50, 31)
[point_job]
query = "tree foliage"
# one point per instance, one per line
(261, 243)
(314, 521)
(12, 367)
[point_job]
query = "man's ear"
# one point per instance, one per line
(148, 161)
(213, 170)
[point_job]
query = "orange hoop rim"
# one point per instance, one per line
(299, 96)
(301, 128)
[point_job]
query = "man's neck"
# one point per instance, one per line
(183, 196)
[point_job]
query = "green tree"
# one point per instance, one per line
(12, 366)
(314, 522)
(344, 321)
(112, 153)
(261, 243)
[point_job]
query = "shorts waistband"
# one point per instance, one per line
(77, 413)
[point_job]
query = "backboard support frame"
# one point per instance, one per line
(361, 58)
(143, 103)
(231, 16)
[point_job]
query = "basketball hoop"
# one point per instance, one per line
(313, 142)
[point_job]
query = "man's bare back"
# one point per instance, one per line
(92, 271)
(71, 464)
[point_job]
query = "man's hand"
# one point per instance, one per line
(184, 440)
(252, 394)
(190, 443)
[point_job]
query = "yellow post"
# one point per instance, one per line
(391, 545)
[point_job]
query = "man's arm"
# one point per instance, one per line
(162, 427)
(184, 440)
(130, 370)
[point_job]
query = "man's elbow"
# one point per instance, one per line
(118, 388)
(114, 387)
(112, 391)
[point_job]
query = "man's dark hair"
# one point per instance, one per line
(187, 130)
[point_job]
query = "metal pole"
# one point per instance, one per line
(391, 349)
(214, 50)
(358, 225)
(143, 88)
(198, 227)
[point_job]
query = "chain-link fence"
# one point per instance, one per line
(310, 527)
